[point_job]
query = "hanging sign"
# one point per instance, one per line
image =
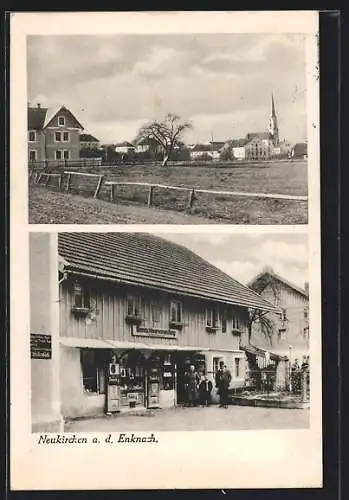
(40, 346)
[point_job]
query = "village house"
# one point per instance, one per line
(288, 330)
(124, 147)
(299, 151)
(88, 141)
(53, 134)
(204, 152)
(134, 312)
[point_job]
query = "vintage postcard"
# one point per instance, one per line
(165, 251)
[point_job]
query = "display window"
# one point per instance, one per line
(132, 379)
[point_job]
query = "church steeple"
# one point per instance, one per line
(273, 124)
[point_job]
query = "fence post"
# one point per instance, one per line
(59, 183)
(98, 186)
(68, 182)
(65, 164)
(150, 196)
(112, 192)
(191, 198)
(47, 179)
(38, 178)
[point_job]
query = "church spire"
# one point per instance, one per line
(273, 124)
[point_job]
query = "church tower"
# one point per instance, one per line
(273, 124)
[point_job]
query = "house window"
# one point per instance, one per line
(58, 154)
(176, 312)
(32, 155)
(61, 121)
(58, 136)
(212, 318)
(155, 313)
(282, 333)
(65, 136)
(236, 323)
(237, 367)
(283, 315)
(224, 322)
(81, 298)
(32, 136)
(66, 154)
(133, 306)
(93, 375)
(306, 313)
(215, 365)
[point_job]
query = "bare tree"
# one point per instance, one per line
(167, 133)
(266, 320)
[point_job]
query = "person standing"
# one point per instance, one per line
(225, 380)
(205, 388)
(218, 378)
(192, 384)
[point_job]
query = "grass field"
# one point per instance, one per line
(287, 178)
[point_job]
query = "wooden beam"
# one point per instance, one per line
(98, 188)
(150, 196)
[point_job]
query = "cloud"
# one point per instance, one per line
(220, 82)
(279, 251)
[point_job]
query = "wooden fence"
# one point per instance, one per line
(63, 182)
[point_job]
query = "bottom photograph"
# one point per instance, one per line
(173, 331)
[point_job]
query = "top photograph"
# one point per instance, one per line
(167, 129)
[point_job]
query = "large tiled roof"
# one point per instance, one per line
(36, 118)
(260, 278)
(88, 138)
(147, 260)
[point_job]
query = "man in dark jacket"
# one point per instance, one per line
(192, 380)
(205, 388)
(224, 383)
(218, 377)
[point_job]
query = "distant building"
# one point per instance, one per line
(124, 147)
(88, 141)
(291, 326)
(53, 134)
(259, 146)
(204, 151)
(299, 150)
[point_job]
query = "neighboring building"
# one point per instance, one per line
(259, 146)
(124, 147)
(88, 141)
(148, 305)
(291, 327)
(53, 134)
(236, 148)
(299, 151)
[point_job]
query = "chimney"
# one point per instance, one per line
(38, 105)
(306, 287)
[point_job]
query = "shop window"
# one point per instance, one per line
(212, 319)
(61, 121)
(237, 367)
(93, 376)
(80, 299)
(32, 136)
(175, 314)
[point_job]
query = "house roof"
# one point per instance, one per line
(300, 148)
(202, 147)
(88, 138)
(279, 278)
(124, 144)
(39, 117)
(146, 260)
(259, 135)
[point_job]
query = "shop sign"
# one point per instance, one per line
(155, 332)
(40, 346)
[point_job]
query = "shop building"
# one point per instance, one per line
(135, 311)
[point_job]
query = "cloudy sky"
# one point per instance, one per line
(243, 256)
(222, 83)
